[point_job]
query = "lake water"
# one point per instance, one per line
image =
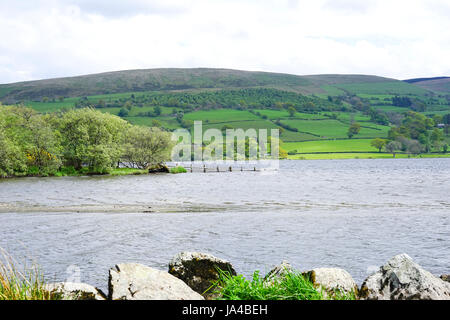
(352, 214)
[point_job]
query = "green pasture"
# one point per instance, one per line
(347, 145)
(335, 129)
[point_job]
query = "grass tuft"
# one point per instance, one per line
(28, 284)
(292, 286)
(178, 169)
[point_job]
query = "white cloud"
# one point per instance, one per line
(50, 38)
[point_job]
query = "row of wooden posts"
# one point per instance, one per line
(205, 169)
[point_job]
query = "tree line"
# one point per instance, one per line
(415, 134)
(79, 140)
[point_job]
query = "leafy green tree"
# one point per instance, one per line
(157, 111)
(353, 129)
(12, 159)
(146, 147)
(436, 138)
(378, 143)
(91, 138)
(156, 123)
(291, 111)
(44, 149)
(123, 113)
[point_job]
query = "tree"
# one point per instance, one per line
(436, 138)
(291, 111)
(156, 123)
(378, 143)
(157, 111)
(91, 138)
(353, 129)
(392, 147)
(44, 149)
(123, 113)
(146, 147)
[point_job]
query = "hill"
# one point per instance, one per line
(312, 112)
(201, 79)
(436, 84)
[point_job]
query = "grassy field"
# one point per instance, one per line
(230, 96)
(347, 145)
(376, 155)
(281, 114)
(220, 116)
(335, 129)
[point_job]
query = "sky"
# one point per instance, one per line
(393, 38)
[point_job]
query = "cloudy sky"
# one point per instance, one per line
(394, 38)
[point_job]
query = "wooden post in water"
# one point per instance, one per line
(230, 169)
(218, 169)
(204, 168)
(191, 167)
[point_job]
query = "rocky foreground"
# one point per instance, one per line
(190, 274)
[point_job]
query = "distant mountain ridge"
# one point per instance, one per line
(436, 84)
(424, 79)
(169, 79)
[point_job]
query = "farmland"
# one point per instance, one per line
(313, 113)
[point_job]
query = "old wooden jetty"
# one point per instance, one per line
(223, 167)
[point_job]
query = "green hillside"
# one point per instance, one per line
(313, 113)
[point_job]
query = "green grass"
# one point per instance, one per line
(220, 116)
(348, 145)
(127, 171)
(166, 122)
(178, 169)
(375, 155)
(335, 129)
(348, 116)
(292, 286)
(382, 88)
(391, 109)
(26, 284)
(279, 114)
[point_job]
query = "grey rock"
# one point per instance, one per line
(332, 281)
(75, 291)
(199, 270)
(132, 281)
(279, 271)
(403, 279)
(445, 277)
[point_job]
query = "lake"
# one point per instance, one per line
(352, 214)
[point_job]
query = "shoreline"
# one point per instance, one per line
(299, 156)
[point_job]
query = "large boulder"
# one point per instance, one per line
(403, 279)
(132, 281)
(279, 271)
(199, 270)
(74, 291)
(332, 281)
(445, 277)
